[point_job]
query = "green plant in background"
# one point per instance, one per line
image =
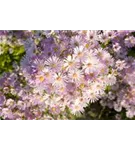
(10, 53)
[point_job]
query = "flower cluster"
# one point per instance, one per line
(63, 71)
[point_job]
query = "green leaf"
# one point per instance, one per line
(131, 53)
(18, 50)
(108, 88)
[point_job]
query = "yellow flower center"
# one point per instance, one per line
(82, 86)
(58, 78)
(80, 54)
(55, 49)
(98, 86)
(100, 54)
(102, 70)
(70, 63)
(91, 74)
(41, 78)
(74, 75)
(77, 107)
(47, 74)
(81, 99)
(53, 65)
(87, 45)
(89, 65)
(53, 109)
(62, 89)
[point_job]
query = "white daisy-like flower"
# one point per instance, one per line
(82, 101)
(110, 33)
(130, 41)
(103, 69)
(6, 112)
(102, 80)
(39, 64)
(90, 64)
(60, 89)
(20, 105)
(46, 71)
(103, 37)
(3, 39)
(130, 113)
(77, 108)
(70, 62)
(99, 53)
(40, 78)
(108, 58)
(120, 64)
(54, 63)
(10, 102)
(104, 56)
(92, 96)
(76, 41)
(59, 79)
(80, 53)
(98, 87)
(111, 79)
(52, 100)
(44, 76)
(91, 35)
(75, 75)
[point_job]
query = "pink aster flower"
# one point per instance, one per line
(7, 113)
(100, 53)
(91, 95)
(90, 64)
(111, 79)
(103, 69)
(122, 33)
(54, 63)
(21, 105)
(77, 107)
(60, 89)
(92, 35)
(98, 87)
(10, 103)
(75, 75)
(110, 34)
(130, 41)
(92, 75)
(120, 65)
(59, 79)
(103, 37)
(70, 63)
(55, 110)
(116, 47)
(80, 53)
(76, 41)
(71, 87)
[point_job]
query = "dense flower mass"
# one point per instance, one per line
(57, 73)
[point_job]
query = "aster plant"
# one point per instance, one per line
(58, 74)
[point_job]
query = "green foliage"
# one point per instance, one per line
(108, 88)
(10, 54)
(131, 52)
(104, 45)
(97, 112)
(9, 95)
